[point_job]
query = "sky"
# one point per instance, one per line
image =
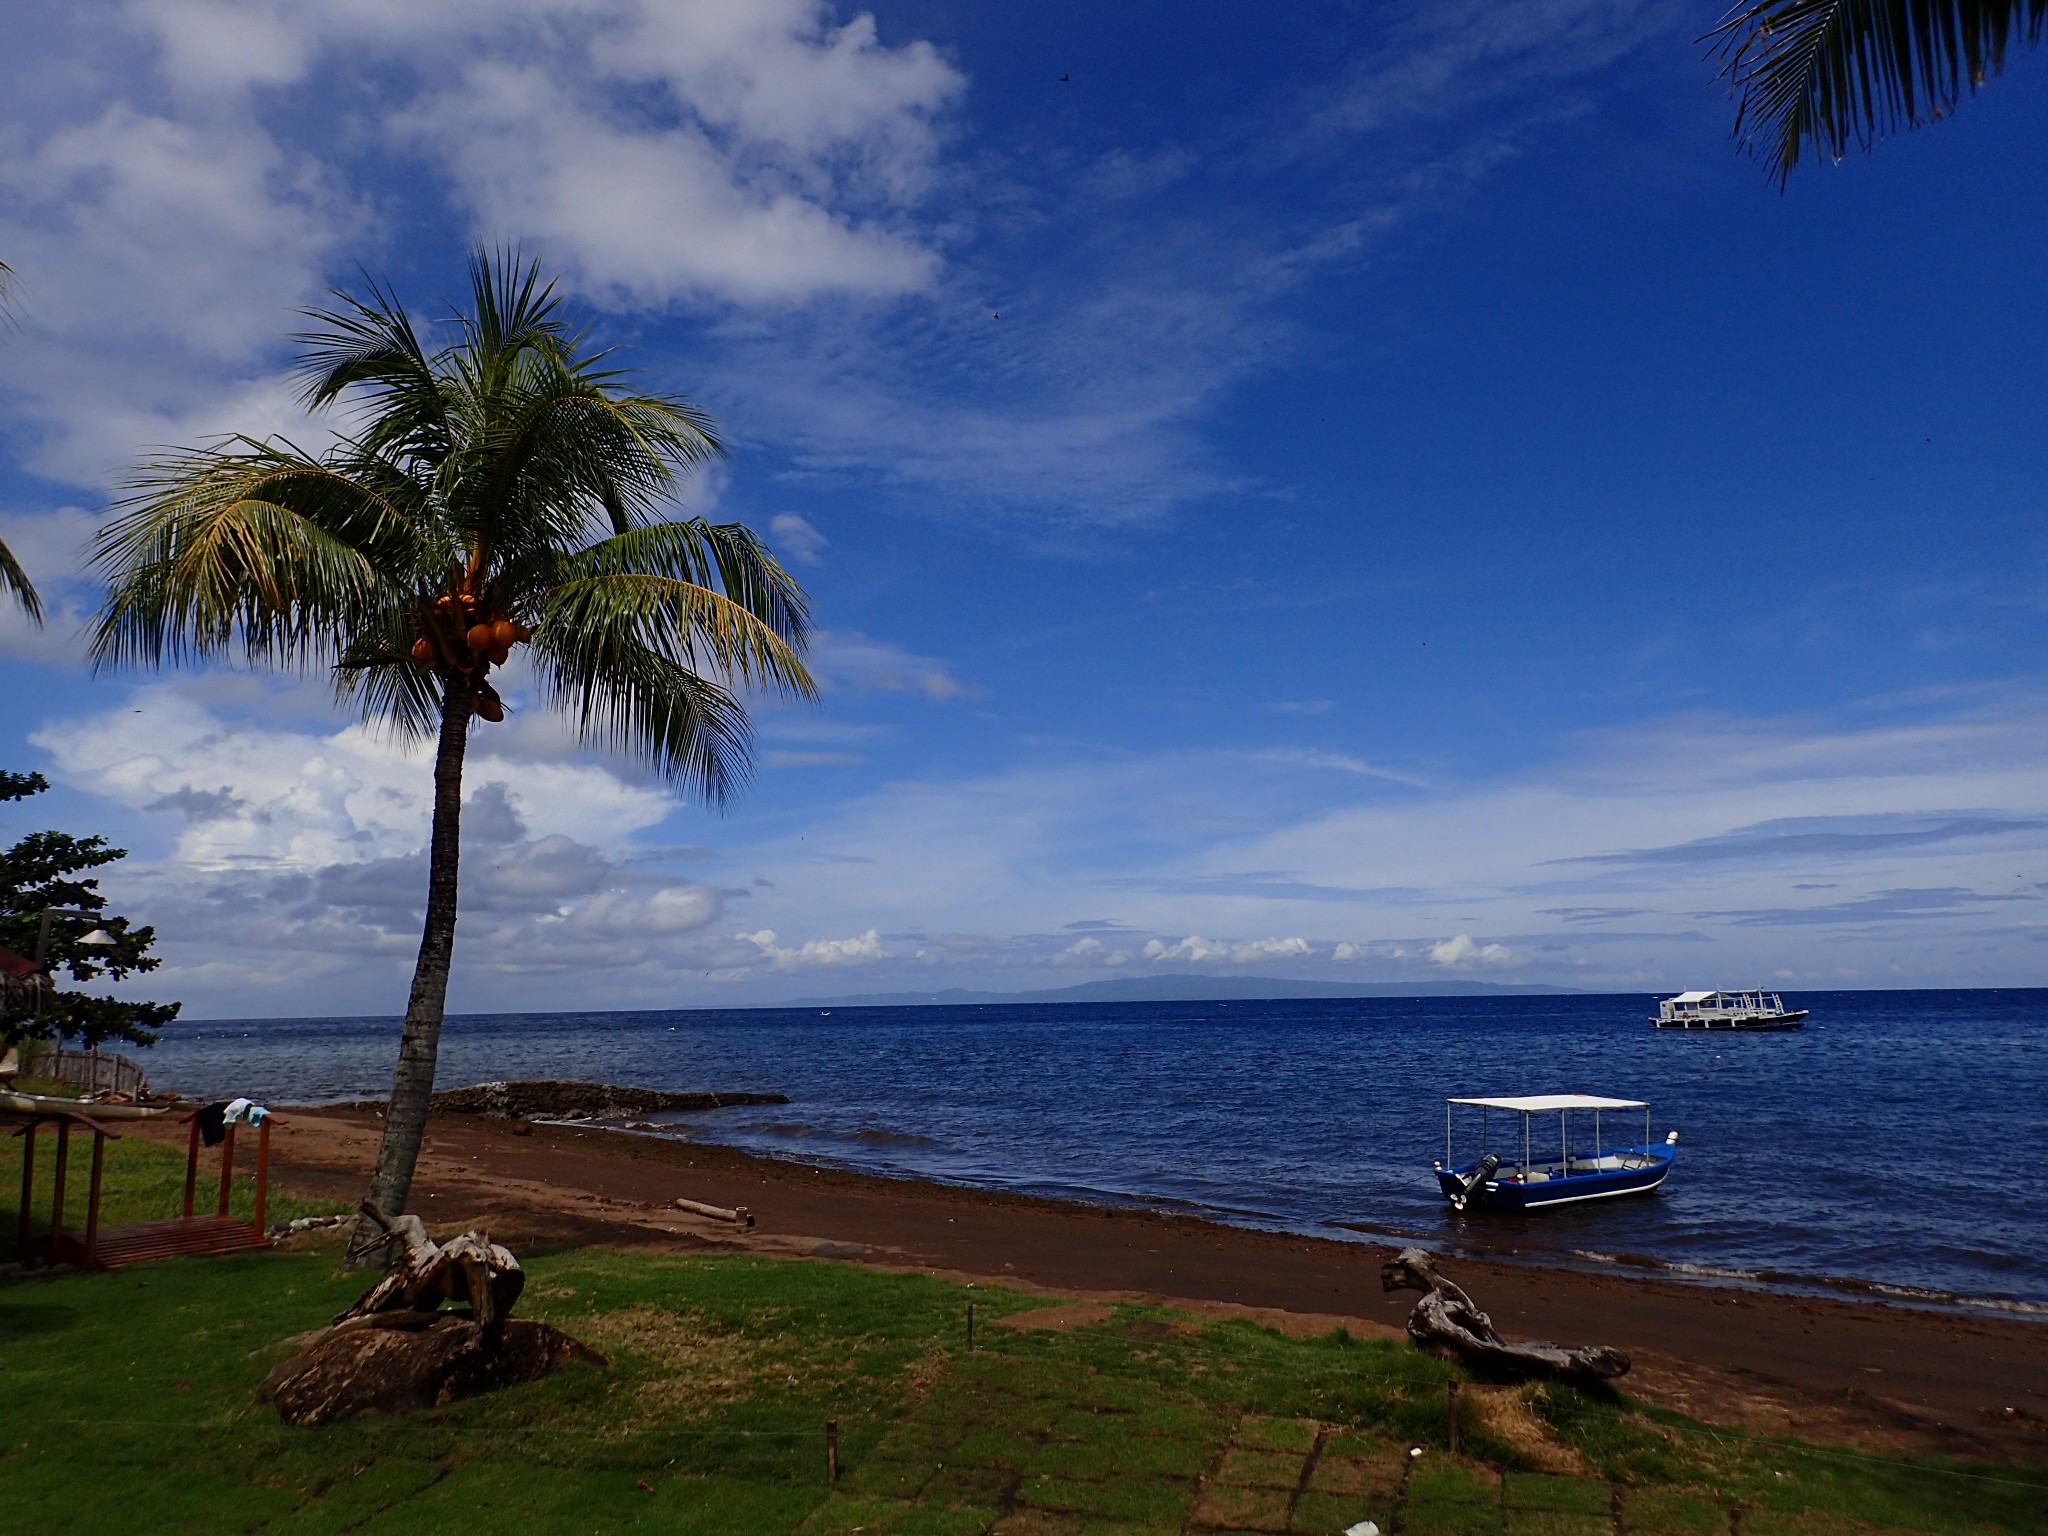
(1370, 493)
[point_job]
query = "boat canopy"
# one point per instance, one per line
(1538, 1103)
(1692, 997)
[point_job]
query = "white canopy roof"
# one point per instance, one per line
(1694, 997)
(1537, 1103)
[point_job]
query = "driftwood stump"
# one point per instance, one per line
(1446, 1322)
(395, 1351)
(425, 1273)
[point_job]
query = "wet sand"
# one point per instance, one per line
(1866, 1374)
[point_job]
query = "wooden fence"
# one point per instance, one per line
(91, 1070)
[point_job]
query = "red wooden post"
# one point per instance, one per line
(57, 1197)
(227, 1170)
(92, 1199)
(262, 1169)
(28, 1185)
(191, 1166)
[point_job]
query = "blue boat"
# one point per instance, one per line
(1523, 1176)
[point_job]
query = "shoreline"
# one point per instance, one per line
(1865, 1373)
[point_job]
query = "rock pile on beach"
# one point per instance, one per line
(549, 1100)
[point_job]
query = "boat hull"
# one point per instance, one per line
(1508, 1192)
(1749, 1024)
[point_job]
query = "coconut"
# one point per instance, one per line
(504, 633)
(480, 638)
(423, 650)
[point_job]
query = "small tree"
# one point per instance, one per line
(43, 870)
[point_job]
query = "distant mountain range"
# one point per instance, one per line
(1182, 987)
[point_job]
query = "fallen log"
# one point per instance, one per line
(739, 1215)
(1447, 1322)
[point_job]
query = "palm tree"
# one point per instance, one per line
(498, 491)
(12, 577)
(1824, 72)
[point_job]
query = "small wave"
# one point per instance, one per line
(891, 1139)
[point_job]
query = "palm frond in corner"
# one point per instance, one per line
(1823, 74)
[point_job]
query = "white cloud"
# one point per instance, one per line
(1462, 951)
(864, 949)
(646, 217)
(1196, 950)
(850, 659)
(796, 535)
(305, 799)
(198, 178)
(1091, 953)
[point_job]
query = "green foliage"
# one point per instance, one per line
(1823, 74)
(46, 869)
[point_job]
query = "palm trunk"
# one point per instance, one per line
(412, 1085)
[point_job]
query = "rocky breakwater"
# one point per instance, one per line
(549, 1100)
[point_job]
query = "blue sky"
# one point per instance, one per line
(1385, 493)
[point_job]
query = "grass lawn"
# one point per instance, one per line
(126, 1406)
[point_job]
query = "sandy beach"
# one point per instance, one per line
(1862, 1374)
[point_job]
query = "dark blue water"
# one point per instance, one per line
(1892, 1143)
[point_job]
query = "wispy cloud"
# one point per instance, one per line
(1823, 837)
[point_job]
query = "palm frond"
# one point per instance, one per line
(1828, 73)
(627, 699)
(261, 550)
(14, 579)
(725, 556)
(689, 625)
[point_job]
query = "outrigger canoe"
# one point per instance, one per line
(1523, 1176)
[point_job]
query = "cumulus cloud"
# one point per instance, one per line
(1092, 953)
(1196, 950)
(1464, 951)
(202, 176)
(861, 950)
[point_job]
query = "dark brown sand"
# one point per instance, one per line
(1881, 1377)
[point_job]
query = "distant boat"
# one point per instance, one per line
(1528, 1178)
(1727, 1010)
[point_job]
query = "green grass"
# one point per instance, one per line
(126, 1404)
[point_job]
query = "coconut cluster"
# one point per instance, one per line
(459, 635)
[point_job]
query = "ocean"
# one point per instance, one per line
(1885, 1149)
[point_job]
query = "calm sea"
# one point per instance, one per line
(1892, 1144)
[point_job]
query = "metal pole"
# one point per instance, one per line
(1447, 1133)
(1525, 1148)
(1564, 1142)
(970, 1325)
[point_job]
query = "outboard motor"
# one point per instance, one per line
(1488, 1166)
